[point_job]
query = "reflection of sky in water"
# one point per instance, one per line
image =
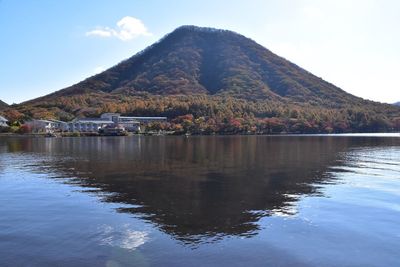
(122, 236)
(353, 223)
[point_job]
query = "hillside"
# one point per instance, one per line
(3, 105)
(218, 75)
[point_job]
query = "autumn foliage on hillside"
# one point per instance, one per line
(202, 114)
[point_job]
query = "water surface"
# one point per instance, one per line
(200, 201)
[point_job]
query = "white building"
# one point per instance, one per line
(108, 120)
(131, 124)
(59, 125)
(3, 122)
(116, 117)
(88, 125)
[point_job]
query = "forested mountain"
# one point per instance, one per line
(3, 105)
(212, 80)
(193, 60)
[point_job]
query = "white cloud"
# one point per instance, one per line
(100, 33)
(127, 28)
(99, 69)
(130, 28)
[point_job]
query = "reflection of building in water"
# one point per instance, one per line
(107, 120)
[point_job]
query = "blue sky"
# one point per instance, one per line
(48, 45)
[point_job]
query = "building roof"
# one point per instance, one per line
(89, 119)
(110, 114)
(46, 121)
(95, 120)
(57, 121)
(2, 119)
(144, 118)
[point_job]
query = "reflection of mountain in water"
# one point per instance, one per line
(197, 187)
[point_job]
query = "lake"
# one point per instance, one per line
(200, 201)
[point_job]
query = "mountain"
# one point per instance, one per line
(217, 74)
(193, 60)
(3, 105)
(397, 104)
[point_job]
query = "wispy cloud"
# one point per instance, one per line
(100, 33)
(99, 69)
(127, 28)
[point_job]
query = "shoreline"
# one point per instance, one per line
(40, 135)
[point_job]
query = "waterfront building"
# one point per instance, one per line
(3, 122)
(93, 125)
(87, 125)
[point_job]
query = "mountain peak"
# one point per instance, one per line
(201, 60)
(193, 28)
(200, 29)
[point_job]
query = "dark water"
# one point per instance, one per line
(200, 201)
